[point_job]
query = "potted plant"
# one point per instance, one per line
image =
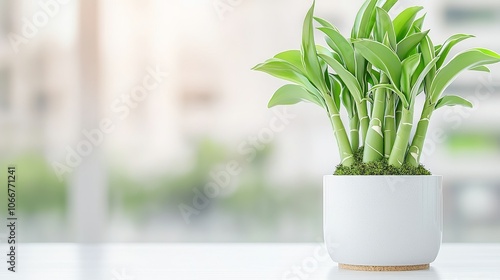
(382, 208)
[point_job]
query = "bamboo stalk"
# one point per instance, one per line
(399, 110)
(364, 119)
(354, 125)
(374, 145)
(398, 153)
(389, 125)
(417, 145)
(343, 143)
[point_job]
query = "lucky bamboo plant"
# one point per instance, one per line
(376, 74)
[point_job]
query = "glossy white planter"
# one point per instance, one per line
(383, 221)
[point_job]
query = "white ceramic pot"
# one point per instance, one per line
(383, 221)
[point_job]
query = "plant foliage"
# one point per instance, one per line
(375, 75)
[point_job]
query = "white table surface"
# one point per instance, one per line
(228, 261)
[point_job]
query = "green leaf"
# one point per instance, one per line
(410, 43)
(292, 94)
(287, 71)
(417, 72)
(384, 26)
(381, 57)
(347, 78)
(323, 50)
(294, 57)
(418, 23)
(309, 53)
(374, 76)
(342, 47)
(409, 67)
(365, 19)
(335, 89)
(325, 23)
(361, 65)
(448, 45)
(453, 100)
(330, 43)
(389, 4)
(417, 85)
(427, 51)
(463, 61)
(437, 49)
(481, 69)
(348, 102)
(404, 21)
(392, 88)
(337, 57)
(328, 79)
(281, 69)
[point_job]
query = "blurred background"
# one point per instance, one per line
(140, 121)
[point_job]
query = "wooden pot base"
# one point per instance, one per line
(384, 268)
